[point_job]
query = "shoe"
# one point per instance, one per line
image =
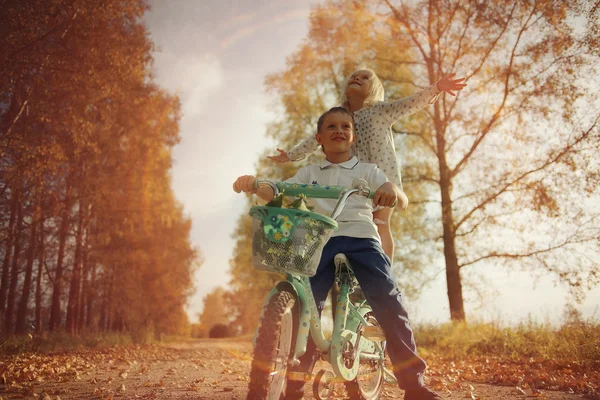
(296, 395)
(422, 393)
(294, 390)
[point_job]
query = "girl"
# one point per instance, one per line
(363, 96)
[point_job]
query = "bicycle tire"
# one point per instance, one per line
(278, 323)
(355, 389)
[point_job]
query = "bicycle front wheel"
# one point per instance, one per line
(274, 347)
(368, 383)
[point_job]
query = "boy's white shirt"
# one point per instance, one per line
(356, 219)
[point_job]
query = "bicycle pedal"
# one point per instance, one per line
(388, 376)
(372, 332)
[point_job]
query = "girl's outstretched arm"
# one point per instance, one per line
(393, 111)
(449, 85)
(281, 157)
(306, 147)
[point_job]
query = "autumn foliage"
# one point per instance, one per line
(91, 236)
(504, 175)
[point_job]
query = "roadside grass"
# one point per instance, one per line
(529, 356)
(572, 342)
(61, 342)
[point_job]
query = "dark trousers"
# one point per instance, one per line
(373, 271)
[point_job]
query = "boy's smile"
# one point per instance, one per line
(336, 134)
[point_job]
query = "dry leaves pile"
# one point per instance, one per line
(140, 372)
(156, 372)
(527, 376)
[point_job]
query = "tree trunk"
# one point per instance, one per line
(55, 312)
(7, 254)
(453, 281)
(38, 283)
(22, 311)
(110, 309)
(14, 274)
(91, 295)
(74, 291)
(104, 307)
(81, 321)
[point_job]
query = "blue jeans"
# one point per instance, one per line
(372, 269)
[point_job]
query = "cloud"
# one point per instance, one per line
(194, 77)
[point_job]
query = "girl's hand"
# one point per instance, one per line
(402, 199)
(450, 86)
(244, 184)
(281, 157)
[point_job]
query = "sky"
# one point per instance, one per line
(215, 56)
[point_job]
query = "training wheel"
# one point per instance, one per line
(323, 385)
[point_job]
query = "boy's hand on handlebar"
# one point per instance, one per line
(245, 184)
(281, 157)
(389, 195)
(385, 196)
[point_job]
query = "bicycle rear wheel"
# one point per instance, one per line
(368, 384)
(274, 345)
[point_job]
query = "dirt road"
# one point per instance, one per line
(203, 369)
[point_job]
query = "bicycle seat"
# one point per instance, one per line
(343, 267)
(339, 259)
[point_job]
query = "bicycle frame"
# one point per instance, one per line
(348, 316)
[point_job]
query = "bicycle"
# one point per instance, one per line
(290, 241)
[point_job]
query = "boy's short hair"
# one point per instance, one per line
(332, 111)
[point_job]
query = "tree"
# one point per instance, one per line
(85, 158)
(215, 312)
(485, 167)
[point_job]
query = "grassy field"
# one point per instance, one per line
(578, 341)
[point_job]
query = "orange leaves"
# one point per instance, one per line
(527, 376)
(159, 384)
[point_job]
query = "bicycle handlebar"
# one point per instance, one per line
(316, 191)
(321, 191)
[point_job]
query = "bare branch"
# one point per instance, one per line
(487, 128)
(396, 63)
(528, 253)
(553, 159)
(16, 119)
(403, 19)
(460, 41)
(492, 46)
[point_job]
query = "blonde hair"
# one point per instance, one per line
(376, 92)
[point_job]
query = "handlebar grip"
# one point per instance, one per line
(372, 194)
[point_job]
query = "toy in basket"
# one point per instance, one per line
(289, 239)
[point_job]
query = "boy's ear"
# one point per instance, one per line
(318, 138)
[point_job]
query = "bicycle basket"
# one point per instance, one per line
(288, 240)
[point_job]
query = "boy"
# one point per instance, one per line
(358, 239)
